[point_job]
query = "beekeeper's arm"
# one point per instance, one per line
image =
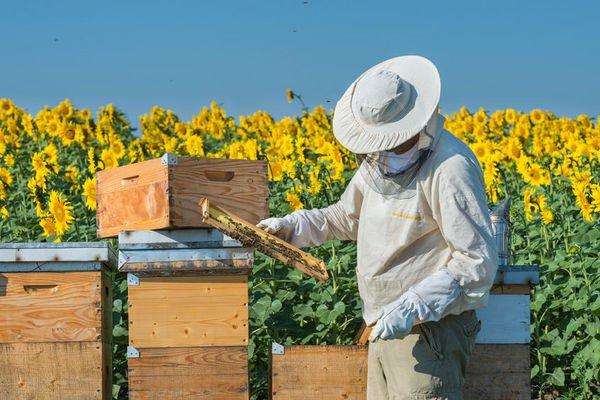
(305, 228)
(459, 206)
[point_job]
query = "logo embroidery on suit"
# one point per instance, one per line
(403, 215)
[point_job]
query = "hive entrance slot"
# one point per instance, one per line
(33, 289)
(219, 176)
(130, 180)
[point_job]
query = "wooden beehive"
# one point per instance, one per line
(499, 368)
(55, 321)
(164, 193)
(188, 314)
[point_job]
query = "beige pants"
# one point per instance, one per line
(429, 364)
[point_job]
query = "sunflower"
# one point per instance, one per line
(481, 150)
(89, 193)
(47, 225)
(61, 212)
(194, 146)
(5, 105)
(289, 95)
(294, 201)
(513, 148)
(586, 212)
(580, 194)
(523, 164)
(530, 207)
(250, 149)
(546, 214)
(275, 171)
(479, 132)
(4, 213)
(510, 115)
(109, 159)
(170, 145)
(37, 161)
(537, 116)
(584, 120)
(91, 161)
(314, 181)
(72, 173)
(536, 176)
(480, 117)
(521, 130)
(550, 145)
(9, 160)
(596, 197)
(5, 176)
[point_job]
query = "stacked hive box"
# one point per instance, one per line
(55, 321)
(499, 368)
(187, 288)
(188, 314)
(164, 193)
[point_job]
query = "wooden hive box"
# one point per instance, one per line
(499, 368)
(55, 321)
(188, 314)
(164, 192)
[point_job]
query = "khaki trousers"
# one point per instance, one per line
(427, 364)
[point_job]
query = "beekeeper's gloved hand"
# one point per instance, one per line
(426, 301)
(280, 227)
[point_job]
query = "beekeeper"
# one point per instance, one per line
(417, 208)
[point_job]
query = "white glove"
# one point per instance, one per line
(280, 227)
(426, 301)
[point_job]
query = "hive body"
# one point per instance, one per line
(164, 193)
(55, 321)
(188, 314)
(499, 368)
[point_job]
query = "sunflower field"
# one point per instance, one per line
(548, 165)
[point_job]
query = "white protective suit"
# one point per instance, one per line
(442, 231)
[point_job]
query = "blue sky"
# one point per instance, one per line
(244, 54)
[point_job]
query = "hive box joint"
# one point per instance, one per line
(132, 352)
(132, 280)
(277, 349)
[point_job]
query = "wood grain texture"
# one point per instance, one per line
(202, 373)
(52, 371)
(239, 186)
(362, 336)
(499, 372)
(189, 311)
(50, 307)
(132, 197)
(320, 372)
(150, 195)
(495, 372)
(107, 328)
(134, 175)
(271, 245)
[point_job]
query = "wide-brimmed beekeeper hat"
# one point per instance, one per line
(387, 105)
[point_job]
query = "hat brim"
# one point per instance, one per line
(362, 138)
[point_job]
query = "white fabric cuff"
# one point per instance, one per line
(309, 227)
(432, 296)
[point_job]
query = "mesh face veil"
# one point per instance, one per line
(378, 171)
(401, 185)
